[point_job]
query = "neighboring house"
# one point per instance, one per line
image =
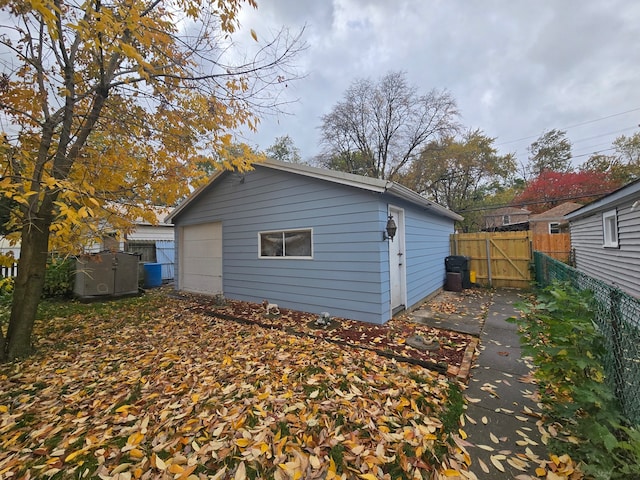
(311, 239)
(154, 243)
(552, 221)
(605, 236)
(506, 219)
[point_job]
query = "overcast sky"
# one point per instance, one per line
(515, 67)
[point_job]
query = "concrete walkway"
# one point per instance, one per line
(501, 417)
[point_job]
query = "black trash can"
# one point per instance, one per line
(454, 282)
(459, 264)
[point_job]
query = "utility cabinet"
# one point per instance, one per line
(106, 274)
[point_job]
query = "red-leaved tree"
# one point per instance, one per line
(550, 189)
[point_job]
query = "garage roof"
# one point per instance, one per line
(342, 178)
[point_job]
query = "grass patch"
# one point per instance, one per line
(559, 332)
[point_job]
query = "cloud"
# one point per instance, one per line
(516, 69)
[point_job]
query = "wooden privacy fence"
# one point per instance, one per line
(504, 259)
(500, 259)
(556, 245)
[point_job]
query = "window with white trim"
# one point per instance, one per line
(610, 228)
(286, 244)
(554, 227)
(506, 220)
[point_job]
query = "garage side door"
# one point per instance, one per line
(201, 258)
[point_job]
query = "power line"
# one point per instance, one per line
(572, 126)
(604, 134)
(534, 202)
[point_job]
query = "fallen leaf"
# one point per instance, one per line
(497, 464)
(241, 472)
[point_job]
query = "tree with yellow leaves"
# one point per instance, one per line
(108, 107)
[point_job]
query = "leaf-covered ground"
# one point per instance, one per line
(154, 388)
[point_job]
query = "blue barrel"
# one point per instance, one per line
(152, 275)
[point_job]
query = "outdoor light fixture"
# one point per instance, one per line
(390, 230)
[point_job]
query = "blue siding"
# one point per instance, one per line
(349, 273)
(344, 275)
(427, 245)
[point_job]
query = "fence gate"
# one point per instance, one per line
(500, 259)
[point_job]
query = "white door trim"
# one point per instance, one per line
(397, 263)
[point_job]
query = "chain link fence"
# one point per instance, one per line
(618, 318)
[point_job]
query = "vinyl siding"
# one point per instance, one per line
(151, 232)
(616, 266)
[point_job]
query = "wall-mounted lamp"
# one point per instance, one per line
(390, 230)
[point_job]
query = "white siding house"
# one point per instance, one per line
(154, 243)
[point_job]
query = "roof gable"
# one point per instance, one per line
(557, 212)
(507, 211)
(341, 178)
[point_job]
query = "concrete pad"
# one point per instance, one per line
(450, 322)
(503, 358)
(462, 312)
(500, 390)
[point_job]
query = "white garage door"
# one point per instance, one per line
(201, 258)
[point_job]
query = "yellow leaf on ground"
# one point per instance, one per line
(497, 464)
(242, 442)
(73, 455)
(135, 453)
(451, 473)
(160, 465)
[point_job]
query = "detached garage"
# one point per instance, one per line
(313, 240)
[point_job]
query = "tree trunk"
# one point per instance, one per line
(28, 288)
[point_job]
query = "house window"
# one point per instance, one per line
(506, 219)
(554, 227)
(610, 228)
(286, 243)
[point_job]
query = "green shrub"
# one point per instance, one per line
(6, 287)
(558, 331)
(58, 280)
